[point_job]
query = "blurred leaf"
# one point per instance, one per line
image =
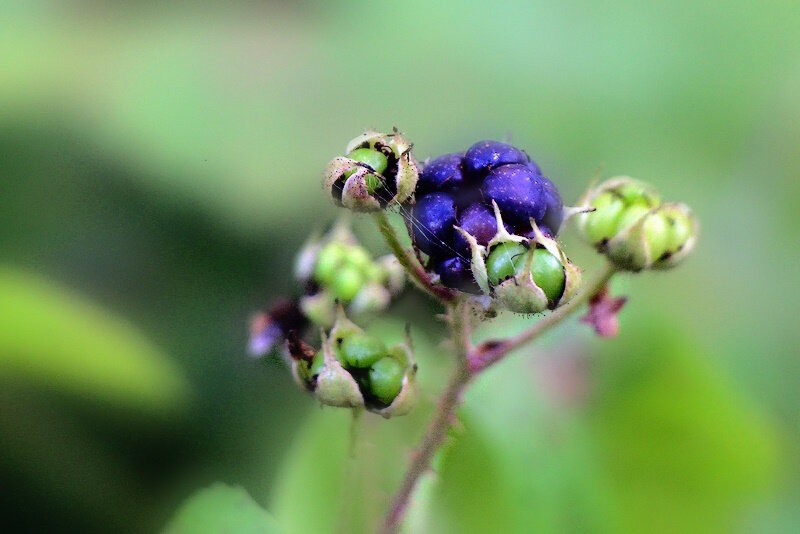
(683, 448)
(55, 338)
(220, 509)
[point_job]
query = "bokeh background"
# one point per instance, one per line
(160, 166)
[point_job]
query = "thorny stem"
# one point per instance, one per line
(410, 262)
(470, 362)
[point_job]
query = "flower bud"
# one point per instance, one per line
(354, 369)
(378, 170)
(523, 275)
(633, 228)
(335, 267)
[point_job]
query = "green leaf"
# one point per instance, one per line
(219, 509)
(56, 339)
(671, 429)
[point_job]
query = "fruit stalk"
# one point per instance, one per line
(410, 263)
(470, 362)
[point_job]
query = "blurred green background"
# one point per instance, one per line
(160, 166)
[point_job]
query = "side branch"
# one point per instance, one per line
(491, 352)
(410, 262)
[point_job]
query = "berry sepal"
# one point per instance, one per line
(377, 171)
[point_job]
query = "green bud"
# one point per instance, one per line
(522, 275)
(316, 364)
(386, 379)
(656, 235)
(374, 158)
(633, 228)
(328, 262)
(346, 283)
(358, 257)
(359, 188)
(602, 224)
(504, 261)
(548, 273)
(631, 216)
(361, 350)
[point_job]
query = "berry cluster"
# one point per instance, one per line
(336, 268)
(634, 228)
(354, 369)
(460, 190)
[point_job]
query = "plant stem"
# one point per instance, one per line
(436, 433)
(410, 262)
(470, 362)
(492, 352)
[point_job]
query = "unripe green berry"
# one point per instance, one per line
(635, 193)
(548, 273)
(504, 261)
(346, 283)
(375, 273)
(631, 215)
(656, 235)
(361, 350)
(317, 364)
(328, 262)
(680, 231)
(602, 224)
(386, 379)
(375, 159)
(357, 257)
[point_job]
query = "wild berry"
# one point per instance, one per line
(484, 156)
(444, 173)
(633, 228)
(377, 171)
(477, 220)
(354, 369)
(434, 216)
(456, 273)
(386, 379)
(465, 189)
(361, 350)
(517, 190)
(336, 268)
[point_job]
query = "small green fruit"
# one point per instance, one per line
(386, 379)
(346, 283)
(504, 261)
(358, 257)
(361, 350)
(601, 225)
(375, 159)
(680, 231)
(330, 257)
(317, 364)
(656, 235)
(548, 273)
(632, 215)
